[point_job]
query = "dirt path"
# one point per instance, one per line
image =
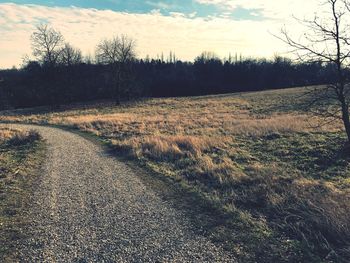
(89, 207)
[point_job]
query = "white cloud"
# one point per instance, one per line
(156, 12)
(192, 15)
(275, 9)
(160, 5)
(154, 33)
(177, 14)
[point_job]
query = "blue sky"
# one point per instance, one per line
(165, 7)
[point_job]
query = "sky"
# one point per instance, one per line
(186, 27)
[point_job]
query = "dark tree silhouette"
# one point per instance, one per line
(60, 75)
(69, 55)
(119, 54)
(47, 44)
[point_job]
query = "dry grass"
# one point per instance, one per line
(211, 115)
(314, 211)
(256, 154)
(6, 134)
(169, 147)
(201, 123)
(18, 137)
(20, 156)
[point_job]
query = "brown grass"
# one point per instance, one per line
(237, 123)
(211, 115)
(17, 136)
(6, 133)
(168, 147)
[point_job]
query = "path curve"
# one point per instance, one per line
(90, 207)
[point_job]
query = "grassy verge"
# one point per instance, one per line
(263, 177)
(20, 156)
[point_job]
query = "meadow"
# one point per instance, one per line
(281, 178)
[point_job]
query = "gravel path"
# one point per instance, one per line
(89, 207)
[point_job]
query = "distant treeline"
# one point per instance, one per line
(36, 84)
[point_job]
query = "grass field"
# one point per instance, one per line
(20, 155)
(282, 179)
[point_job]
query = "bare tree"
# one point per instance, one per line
(46, 44)
(207, 56)
(69, 55)
(327, 40)
(119, 53)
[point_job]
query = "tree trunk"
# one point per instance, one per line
(345, 118)
(117, 93)
(117, 90)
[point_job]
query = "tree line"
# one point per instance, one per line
(60, 74)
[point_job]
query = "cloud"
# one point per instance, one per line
(269, 8)
(192, 15)
(154, 33)
(160, 5)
